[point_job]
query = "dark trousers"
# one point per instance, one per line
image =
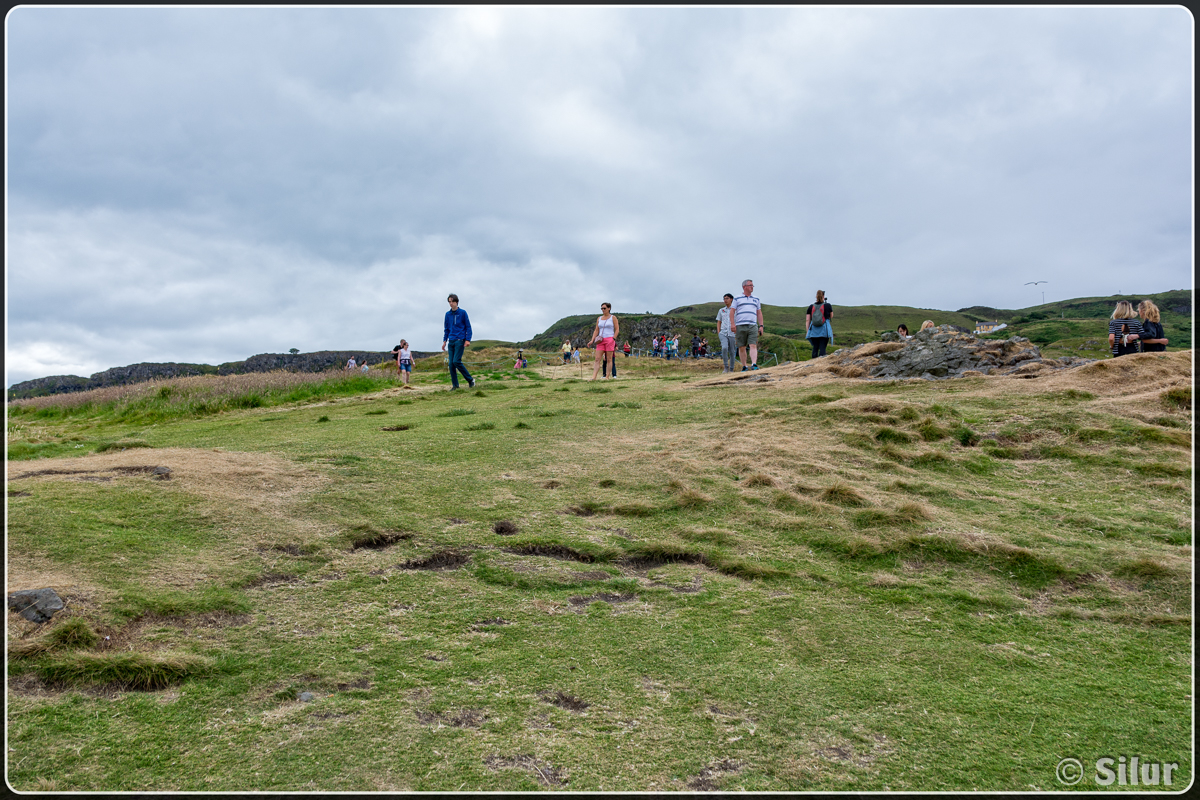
(819, 344)
(454, 348)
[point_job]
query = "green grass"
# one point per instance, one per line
(739, 589)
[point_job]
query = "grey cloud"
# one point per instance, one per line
(254, 162)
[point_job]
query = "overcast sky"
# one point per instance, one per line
(206, 184)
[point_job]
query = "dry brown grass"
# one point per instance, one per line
(195, 387)
(252, 492)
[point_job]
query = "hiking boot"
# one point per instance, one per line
(471, 383)
(745, 369)
(755, 366)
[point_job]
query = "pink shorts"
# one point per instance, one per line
(607, 345)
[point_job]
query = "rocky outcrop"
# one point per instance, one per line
(949, 352)
(35, 605)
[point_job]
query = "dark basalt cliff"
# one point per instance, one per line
(139, 373)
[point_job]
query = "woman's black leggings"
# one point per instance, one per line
(819, 344)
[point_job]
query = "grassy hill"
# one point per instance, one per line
(638, 585)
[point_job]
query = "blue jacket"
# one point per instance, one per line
(457, 326)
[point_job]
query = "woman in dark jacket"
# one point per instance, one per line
(1153, 338)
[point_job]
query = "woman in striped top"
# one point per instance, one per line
(1124, 330)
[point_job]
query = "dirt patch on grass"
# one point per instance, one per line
(706, 780)
(445, 559)
(560, 551)
(566, 701)
(505, 527)
(544, 772)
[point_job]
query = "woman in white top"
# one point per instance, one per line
(605, 338)
(404, 361)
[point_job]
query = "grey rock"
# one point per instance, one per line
(305, 697)
(161, 474)
(889, 336)
(948, 351)
(35, 605)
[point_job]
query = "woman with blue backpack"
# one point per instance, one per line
(817, 321)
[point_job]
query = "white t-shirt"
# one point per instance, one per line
(605, 327)
(723, 320)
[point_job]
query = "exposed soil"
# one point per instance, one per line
(271, 579)
(552, 485)
(704, 782)
(558, 551)
(567, 701)
(378, 540)
(606, 597)
(505, 527)
(445, 559)
(395, 428)
(540, 769)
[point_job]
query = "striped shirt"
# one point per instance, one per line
(1118, 327)
(745, 310)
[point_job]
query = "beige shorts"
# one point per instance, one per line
(746, 335)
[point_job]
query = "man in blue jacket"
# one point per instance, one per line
(457, 332)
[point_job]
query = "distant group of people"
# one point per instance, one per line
(739, 325)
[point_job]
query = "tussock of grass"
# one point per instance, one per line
(930, 431)
(457, 412)
(633, 510)
(892, 435)
(521, 426)
(843, 495)
(965, 436)
(1143, 568)
(135, 671)
(71, 634)
(907, 514)
(376, 412)
(908, 414)
(691, 498)
(758, 479)
(1179, 398)
(125, 444)
(931, 458)
(481, 426)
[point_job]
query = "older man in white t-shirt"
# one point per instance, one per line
(747, 324)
